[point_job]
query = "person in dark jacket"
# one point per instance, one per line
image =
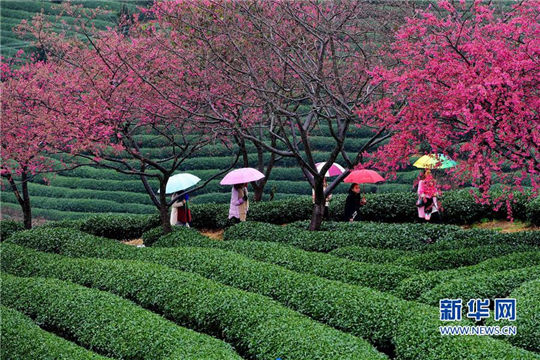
(353, 203)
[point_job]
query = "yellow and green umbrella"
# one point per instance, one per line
(434, 161)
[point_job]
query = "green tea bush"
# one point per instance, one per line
(181, 232)
(376, 235)
(377, 276)
(9, 227)
(151, 236)
(116, 196)
(70, 224)
(363, 312)
(120, 227)
(413, 287)
(22, 339)
(215, 216)
(90, 205)
(459, 208)
(527, 318)
(368, 254)
(210, 216)
(449, 259)
(103, 184)
(258, 327)
(533, 211)
(49, 214)
(106, 323)
(480, 237)
(418, 335)
(488, 285)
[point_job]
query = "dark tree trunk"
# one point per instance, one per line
(164, 208)
(318, 207)
(22, 196)
(26, 208)
(258, 190)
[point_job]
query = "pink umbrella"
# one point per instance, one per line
(334, 170)
(241, 176)
(363, 176)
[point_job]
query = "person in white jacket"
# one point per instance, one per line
(180, 213)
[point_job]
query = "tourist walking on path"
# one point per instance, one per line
(180, 212)
(353, 203)
(239, 205)
(427, 202)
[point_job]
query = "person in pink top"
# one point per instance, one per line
(421, 195)
(239, 204)
(427, 203)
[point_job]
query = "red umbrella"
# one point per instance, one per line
(363, 176)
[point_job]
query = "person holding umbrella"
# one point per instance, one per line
(354, 199)
(180, 212)
(353, 203)
(239, 179)
(427, 204)
(239, 204)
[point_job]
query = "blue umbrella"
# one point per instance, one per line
(180, 182)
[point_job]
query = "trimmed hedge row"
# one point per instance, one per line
(112, 226)
(22, 339)
(407, 236)
(90, 205)
(413, 287)
(381, 207)
(528, 317)
(223, 198)
(449, 259)
(215, 216)
(377, 276)
(479, 237)
(65, 193)
(488, 285)
(376, 235)
(120, 227)
(259, 327)
(50, 214)
(533, 211)
(103, 184)
(407, 329)
(369, 254)
(105, 323)
(9, 227)
(459, 205)
(51, 8)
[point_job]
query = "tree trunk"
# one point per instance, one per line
(164, 217)
(318, 207)
(26, 208)
(258, 190)
(163, 208)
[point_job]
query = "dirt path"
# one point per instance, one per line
(503, 226)
(134, 242)
(213, 234)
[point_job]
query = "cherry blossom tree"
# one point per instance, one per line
(124, 85)
(464, 82)
(300, 64)
(33, 128)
